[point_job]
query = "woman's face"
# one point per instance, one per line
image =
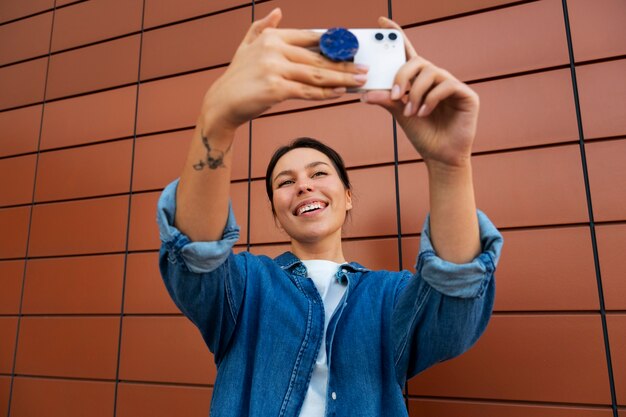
(310, 201)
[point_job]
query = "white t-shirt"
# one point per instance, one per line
(322, 273)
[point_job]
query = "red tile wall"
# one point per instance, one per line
(98, 100)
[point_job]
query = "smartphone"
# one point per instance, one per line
(382, 50)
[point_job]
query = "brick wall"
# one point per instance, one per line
(97, 103)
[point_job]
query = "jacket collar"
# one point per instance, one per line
(289, 261)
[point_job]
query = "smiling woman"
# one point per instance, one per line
(309, 333)
(308, 187)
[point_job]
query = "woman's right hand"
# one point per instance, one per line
(272, 65)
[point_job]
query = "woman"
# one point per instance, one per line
(308, 334)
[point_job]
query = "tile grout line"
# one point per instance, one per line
(496, 77)
(384, 164)
(128, 218)
(396, 174)
(249, 179)
(30, 218)
(112, 37)
(592, 231)
(153, 314)
(40, 12)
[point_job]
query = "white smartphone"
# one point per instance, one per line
(382, 50)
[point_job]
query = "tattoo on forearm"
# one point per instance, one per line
(214, 157)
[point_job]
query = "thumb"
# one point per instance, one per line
(383, 98)
(270, 21)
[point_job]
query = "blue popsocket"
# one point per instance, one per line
(339, 44)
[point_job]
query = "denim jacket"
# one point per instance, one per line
(263, 320)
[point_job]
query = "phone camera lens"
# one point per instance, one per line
(379, 36)
(393, 36)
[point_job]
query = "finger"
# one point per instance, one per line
(444, 90)
(406, 73)
(308, 57)
(383, 98)
(383, 22)
(299, 37)
(296, 90)
(322, 77)
(270, 21)
(426, 79)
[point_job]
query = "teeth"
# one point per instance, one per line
(309, 207)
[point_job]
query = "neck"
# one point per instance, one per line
(329, 249)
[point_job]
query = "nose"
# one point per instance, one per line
(304, 187)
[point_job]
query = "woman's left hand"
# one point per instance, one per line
(437, 112)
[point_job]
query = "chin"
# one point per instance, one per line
(310, 236)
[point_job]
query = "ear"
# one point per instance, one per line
(348, 200)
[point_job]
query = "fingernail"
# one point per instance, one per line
(339, 90)
(361, 78)
(362, 67)
(407, 109)
(364, 98)
(395, 92)
(423, 111)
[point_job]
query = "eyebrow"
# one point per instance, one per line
(308, 166)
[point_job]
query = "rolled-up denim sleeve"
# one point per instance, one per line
(198, 257)
(443, 309)
(205, 279)
(461, 280)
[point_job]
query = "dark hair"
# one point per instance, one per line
(311, 143)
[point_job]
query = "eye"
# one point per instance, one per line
(283, 183)
(319, 174)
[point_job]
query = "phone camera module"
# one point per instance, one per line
(379, 36)
(393, 36)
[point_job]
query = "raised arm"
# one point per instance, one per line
(439, 113)
(271, 65)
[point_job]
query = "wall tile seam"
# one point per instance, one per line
(75, 146)
(74, 255)
(112, 381)
(79, 95)
(70, 49)
(38, 103)
(202, 16)
(498, 312)
(112, 88)
(512, 4)
(108, 39)
(62, 6)
(226, 10)
(307, 108)
(595, 139)
(387, 164)
(249, 174)
(95, 315)
(408, 235)
(551, 313)
(286, 243)
(39, 203)
(591, 216)
(491, 401)
(26, 17)
(16, 344)
(216, 12)
(129, 218)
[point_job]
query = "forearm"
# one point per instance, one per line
(454, 228)
(204, 189)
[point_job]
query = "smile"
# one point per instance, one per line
(309, 207)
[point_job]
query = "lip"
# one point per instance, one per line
(309, 201)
